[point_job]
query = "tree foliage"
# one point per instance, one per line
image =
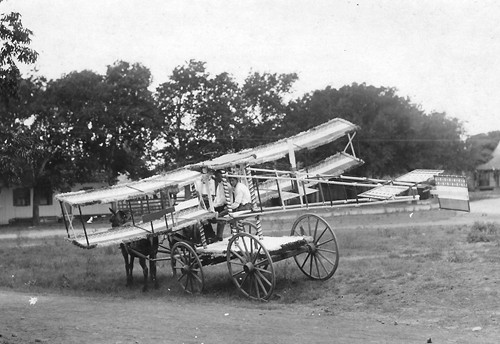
(179, 100)
(263, 99)
(481, 146)
(110, 119)
(206, 116)
(15, 39)
(33, 151)
(79, 128)
(395, 136)
(219, 122)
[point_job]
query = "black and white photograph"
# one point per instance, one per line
(252, 171)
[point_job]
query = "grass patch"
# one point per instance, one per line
(484, 232)
(390, 270)
(458, 256)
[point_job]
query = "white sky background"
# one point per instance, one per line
(443, 55)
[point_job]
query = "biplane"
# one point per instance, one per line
(156, 214)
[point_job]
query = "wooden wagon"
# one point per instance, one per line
(249, 254)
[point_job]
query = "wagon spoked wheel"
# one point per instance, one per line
(187, 268)
(321, 259)
(250, 266)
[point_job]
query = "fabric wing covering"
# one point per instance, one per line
(389, 191)
(333, 166)
(310, 139)
(169, 180)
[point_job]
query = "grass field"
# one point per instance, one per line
(446, 274)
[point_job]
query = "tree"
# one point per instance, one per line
(15, 49)
(480, 148)
(111, 119)
(263, 97)
(33, 151)
(217, 126)
(395, 135)
(206, 116)
(178, 101)
(135, 122)
(202, 115)
(437, 143)
(78, 128)
(15, 40)
(75, 101)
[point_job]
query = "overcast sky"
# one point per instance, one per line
(443, 55)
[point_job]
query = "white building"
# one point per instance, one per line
(16, 204)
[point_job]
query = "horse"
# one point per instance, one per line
(141, 249)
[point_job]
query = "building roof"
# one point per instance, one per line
(494, 163)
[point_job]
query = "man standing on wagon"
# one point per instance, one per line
(241, 200)
(220, 204)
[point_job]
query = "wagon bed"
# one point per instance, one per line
(275, 245)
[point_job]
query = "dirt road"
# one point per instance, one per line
(69, 319)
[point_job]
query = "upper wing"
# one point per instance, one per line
(148, 186)
(310, 139)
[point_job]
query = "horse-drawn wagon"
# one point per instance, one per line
(176, 230)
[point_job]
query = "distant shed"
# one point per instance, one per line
(487, 174)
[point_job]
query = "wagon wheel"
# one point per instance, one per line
(250, 228)
(187, 268)
(250, 266)
(322, 257)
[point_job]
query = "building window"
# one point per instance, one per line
(22, 197)
(46, 196)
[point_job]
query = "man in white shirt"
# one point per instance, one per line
(242, 199)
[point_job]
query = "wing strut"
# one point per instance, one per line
(350, 137)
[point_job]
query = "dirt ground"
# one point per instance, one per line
(65, 319)
(52, 318)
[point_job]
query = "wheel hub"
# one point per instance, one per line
(312, 248)
(248, 267)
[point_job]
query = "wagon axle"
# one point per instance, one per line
(311, 248)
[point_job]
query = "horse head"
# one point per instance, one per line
(118, 218)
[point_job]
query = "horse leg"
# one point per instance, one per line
(131, 269)
(152, 262)
(128, 264)
(142, 261)
(152, 273)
